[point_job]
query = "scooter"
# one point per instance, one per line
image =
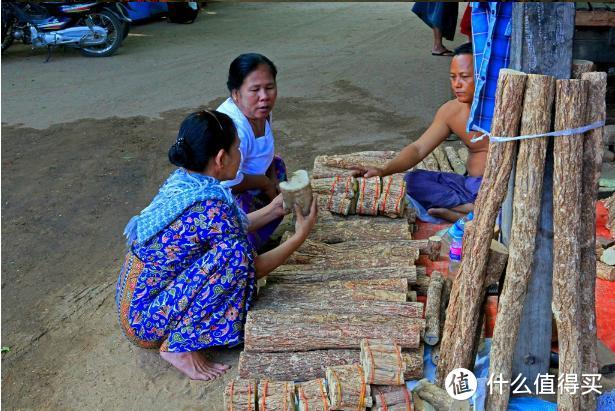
(94, 28)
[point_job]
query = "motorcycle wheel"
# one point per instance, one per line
(109, 22)
(125, 29)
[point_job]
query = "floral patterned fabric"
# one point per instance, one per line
(191, 285)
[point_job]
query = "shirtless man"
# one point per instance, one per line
(444, 195)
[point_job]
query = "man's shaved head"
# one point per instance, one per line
(462, 73)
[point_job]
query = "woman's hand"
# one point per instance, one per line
(277, 207)
(304, 225)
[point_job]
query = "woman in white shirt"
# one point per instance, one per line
(252, 84)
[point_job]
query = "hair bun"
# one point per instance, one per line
(178, 155)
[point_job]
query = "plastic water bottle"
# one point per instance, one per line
(455, 250)
(456, 230)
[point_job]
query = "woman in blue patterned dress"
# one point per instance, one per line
(190, 274)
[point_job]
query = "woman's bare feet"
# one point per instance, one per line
(194, 365)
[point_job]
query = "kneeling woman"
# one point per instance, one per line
(190, 274)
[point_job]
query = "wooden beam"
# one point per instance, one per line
(599, 18)
(542, 46)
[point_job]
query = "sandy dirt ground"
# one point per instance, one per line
(84, 145)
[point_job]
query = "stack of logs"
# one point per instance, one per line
(342, 193)
(523, 106)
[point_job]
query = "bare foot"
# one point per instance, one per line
(194, 365)
(446, 214)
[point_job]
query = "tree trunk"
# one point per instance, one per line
(592, 164)
(306, 274)
(273, 331)
(463, 311)
(458, 166)
(432, 309)
(294, 366)
(537, 106)
(571, 98)
(312, 396)
(276, 395)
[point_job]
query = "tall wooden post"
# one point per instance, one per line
(541, 43)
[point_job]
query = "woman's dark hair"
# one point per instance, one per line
(465, 48)
(245, 64)
(201, 136)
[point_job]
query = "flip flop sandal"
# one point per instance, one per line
(444, 53)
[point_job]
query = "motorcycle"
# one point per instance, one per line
(96, 29)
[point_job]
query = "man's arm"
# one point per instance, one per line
(253, 182)
(414, 152)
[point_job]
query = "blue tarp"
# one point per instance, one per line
(138, 10)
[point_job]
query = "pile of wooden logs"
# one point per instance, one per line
(382, 362)
(524, 106)
(240, 394)
(276, 395)
(392, 398)
(348, 388)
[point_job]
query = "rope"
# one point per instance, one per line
(265, 395)
(567, 132)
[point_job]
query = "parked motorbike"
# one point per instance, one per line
(96, 29)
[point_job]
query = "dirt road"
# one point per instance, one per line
(84, 145)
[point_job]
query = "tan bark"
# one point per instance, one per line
(295, 366)
(333, 229)
(336, 194)
(382, 362)
(604, 271)
(438, 397)
(391, 398)
(422, 281)
(368, 195)
(430, 163)
(579, 67)
(432, 309)
(458, 165)
(273, 331)
(312, 396)
(467, 294)
(571, 98)
(414, 362)
(442, 160)
(297, 192)
(306, 274)
(392, 202)
(464, 153)
(348, 388)
(592, 164)
(361, 158)
(276, 395)
(537, 106)
(240, 395)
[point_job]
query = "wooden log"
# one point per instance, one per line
(604, 271)
(273, 331)
(348, 388)
(458, 165)
(435, 355)
(391, 398)
(334, 293)
(305, 273)
(296, 366)
(498, 257)
(392, 202)
(430, 163)
(382, 362)
(312, 396)
(414, 362)
(447, 285)
(333, 229)
(571, 98)
(442, 160)
(420, 405)
(361, 159)
(422, 281)
(240, 395)
(334, 302)
(434, 246)
(276, 395)
(322, 171)
(463, 311)
(297, 191)
(591, 168)
(536, 119)
(463, 153)
(412, 297)
(368, 195)
(432, 309)
(438, 397)
(380, 254)
(580, 67)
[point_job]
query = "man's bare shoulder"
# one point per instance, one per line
(451, 109)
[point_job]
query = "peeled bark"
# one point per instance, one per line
(592, 164)
(297, 192)
(467, 294)
(306, 274)
(348, 388)
(571, 98)
(240, 395)
(432, 309)
(276, 395)
(443, 163)
(312, 396)
(382, 362)
(537, 106)
(273, 331)
(295, 366)
(458, 165)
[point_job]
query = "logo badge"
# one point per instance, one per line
(460, 384)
